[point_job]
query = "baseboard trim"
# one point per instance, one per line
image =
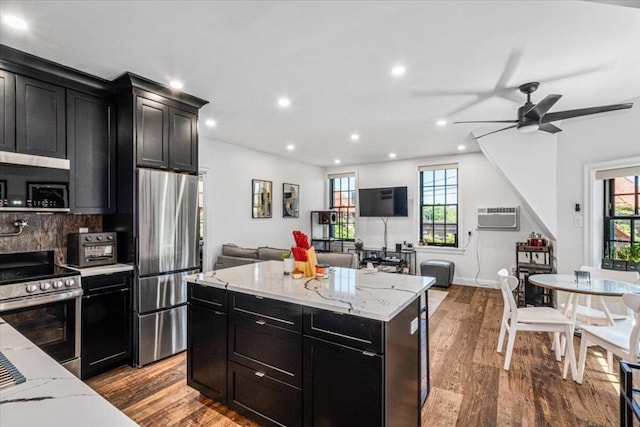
(481, 283)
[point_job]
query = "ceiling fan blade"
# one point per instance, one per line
(499, 130)
(541, 108)
(549, 128)
(568, 114)
(488, 121)
(429, 92)
(509, 70)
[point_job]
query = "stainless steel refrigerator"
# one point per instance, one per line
(166, 251)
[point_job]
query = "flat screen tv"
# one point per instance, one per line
(383, 202)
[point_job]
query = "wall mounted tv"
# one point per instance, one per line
(383, 202)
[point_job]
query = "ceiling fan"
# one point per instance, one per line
(532, 117)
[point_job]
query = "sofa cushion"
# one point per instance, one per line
(265, 253)
(338, 259)
(234, 250)
(225, 261)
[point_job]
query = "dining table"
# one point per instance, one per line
(583, 286)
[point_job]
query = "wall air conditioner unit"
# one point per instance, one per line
(499, 218)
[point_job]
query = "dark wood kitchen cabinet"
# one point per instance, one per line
(91, 146)
(166, 137)
(7, 111)
(40, 118)
(207, 341)
(106, 322)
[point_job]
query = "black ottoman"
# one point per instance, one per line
(442, 270)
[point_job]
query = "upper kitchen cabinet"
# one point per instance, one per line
(40, 118)
(7, 111)
(157, 126)
(91, 147)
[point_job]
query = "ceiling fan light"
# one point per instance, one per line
(529, 128)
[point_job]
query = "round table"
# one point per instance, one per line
(597, 287)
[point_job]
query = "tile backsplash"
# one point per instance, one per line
(44, 232)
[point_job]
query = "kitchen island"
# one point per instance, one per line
(342, 350)
(51, 395)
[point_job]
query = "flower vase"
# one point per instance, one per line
(289, 265)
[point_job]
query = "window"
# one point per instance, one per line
(439, 205)
(622, 218)
(342, 198)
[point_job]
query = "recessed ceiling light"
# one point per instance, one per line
(210, 123)
(398, 70)
(392, 155)
(284, 102)
(15, 22)
(461, 147)
(290, 147)
(355, 137)
(176, 84)
(441, 122)
(336, 161)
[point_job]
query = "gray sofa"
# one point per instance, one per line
(233, 255)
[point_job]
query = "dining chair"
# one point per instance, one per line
(535, 319)
(620, 339)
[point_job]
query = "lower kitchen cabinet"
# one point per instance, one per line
(343, 386)
(261, 397)
(106, 322)
(207, 341)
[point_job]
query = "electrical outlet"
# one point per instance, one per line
(513, 269)
(83, 230)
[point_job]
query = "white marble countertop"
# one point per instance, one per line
(51, 396)
(378, 296)
(101, 269)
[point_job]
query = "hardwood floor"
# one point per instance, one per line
(469, 386)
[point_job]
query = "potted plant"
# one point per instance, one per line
(289, 262)
(633, 262)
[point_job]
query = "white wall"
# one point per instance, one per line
(229, 170)
(481, 185)
(612, 137)
(528, 161)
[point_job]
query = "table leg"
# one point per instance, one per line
(574, 316)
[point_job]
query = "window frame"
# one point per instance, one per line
(343, 210)
(445, 186)
(609, 217)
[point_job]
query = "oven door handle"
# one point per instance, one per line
(40, 299)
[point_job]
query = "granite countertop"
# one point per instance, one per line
(378, 296)
(51, 396)
(101, 269)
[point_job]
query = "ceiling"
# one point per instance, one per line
(333, 60)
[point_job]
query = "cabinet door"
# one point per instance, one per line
(152, 133)
(91, 146)
(342, 386)
(106, 322)
(40, 118)
(7, 111)
(207, 351)
(183, 140)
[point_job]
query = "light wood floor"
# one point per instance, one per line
(469, 386)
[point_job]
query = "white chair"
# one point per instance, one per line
(537, 319)
(620, 339)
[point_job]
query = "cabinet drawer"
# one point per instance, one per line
(263, 347)
(352, 331)
(272, 312)
(213, 298)
(263, 398)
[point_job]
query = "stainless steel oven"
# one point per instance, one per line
(42, 301)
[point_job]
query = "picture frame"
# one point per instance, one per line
(290, 200)
(261, 198)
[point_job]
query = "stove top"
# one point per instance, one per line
(32, 274)
(9, 276)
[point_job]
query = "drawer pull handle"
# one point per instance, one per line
(369, 353)
(261, 322)
(259, 297)
(260, 374)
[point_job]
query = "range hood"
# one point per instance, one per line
(33, 183)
